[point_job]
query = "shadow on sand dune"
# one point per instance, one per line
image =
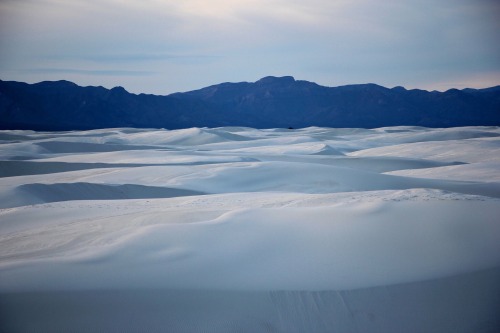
(44, 193)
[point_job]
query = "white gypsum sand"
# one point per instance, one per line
(244, 230)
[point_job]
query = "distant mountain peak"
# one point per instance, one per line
(59, 83)
(276, 79)
(399, 88)
(119, 89)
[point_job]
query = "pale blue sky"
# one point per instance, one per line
(160, 47)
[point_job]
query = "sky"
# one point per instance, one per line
(161, 47)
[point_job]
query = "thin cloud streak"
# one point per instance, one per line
(88, 72)
(130, 58)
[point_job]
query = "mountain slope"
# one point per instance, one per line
(269, 102)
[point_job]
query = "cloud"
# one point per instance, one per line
(127, 58)
(404, 42)
(111, 72)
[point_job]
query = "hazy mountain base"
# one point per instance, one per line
(464, 303)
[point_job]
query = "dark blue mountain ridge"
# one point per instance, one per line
(267, 103)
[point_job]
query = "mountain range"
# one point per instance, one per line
(270, 102)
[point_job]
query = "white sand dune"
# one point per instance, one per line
(213, 178)
(236, 229)
(413, 307)
(39, 167)
(480, 172)
(467, 151)
(145, 157)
